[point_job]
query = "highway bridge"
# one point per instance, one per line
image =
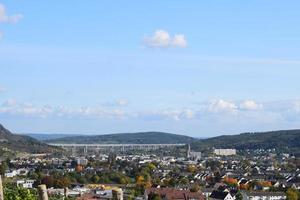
(106, 148)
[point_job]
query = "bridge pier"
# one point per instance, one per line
(73, 149)
(85, 150)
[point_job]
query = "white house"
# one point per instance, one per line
(25, 183)
(225, 152)
(252, 195)
(11, 174)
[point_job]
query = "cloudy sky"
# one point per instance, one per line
(201, 68)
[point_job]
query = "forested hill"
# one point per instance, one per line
(283, 139)
(22, 143)
(127, 138)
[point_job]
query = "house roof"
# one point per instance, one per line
(256, 193)
(243, 181)
(218, 194)
(171, 193)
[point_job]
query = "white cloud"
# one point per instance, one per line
(119, 102)
(162, 38)
(5, 18)
(169, 114)
(297, 106)
(250, 105)
(217, 111)
(160, 114)
(9, 103)
(189, 114)
(221, 105)
(179, 41)
(122, 102)
(12, 107)
(2, 89)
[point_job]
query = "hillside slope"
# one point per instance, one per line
(22, 143)
(127, 138)
(281, 140)
(48, 136)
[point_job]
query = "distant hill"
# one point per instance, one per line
(127, 138)
(285, 140)
(49, 136)
(22, 143)
(281, 140)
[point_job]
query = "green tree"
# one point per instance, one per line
(195, 188)
(239, 196)
(151, 166)
(82, 180)
(184, 180)
(19, 194)
(95, 179)
(213, 164)
(3, 168)
(172, 182)
(62, 182)
(111, 159)
(292, 194)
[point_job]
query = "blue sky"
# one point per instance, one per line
(201, 68)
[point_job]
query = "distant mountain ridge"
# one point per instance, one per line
(22, 143)
(286, 140)
(49, 136)
(127, 138)
(281, 140)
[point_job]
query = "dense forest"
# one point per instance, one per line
(284, 140)
(127, 138)
(22, 143)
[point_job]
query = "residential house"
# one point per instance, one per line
(172, 194)
(253, 195)
(221, 195)
(25, 183)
